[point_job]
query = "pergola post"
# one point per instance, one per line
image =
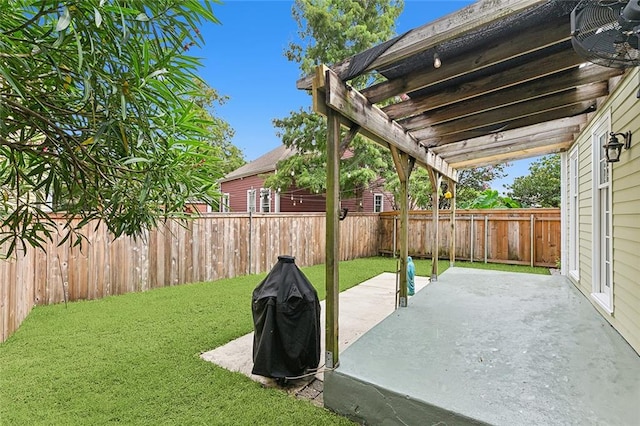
(332, 239)
(404, 165)
(436, 179)
(452, 224)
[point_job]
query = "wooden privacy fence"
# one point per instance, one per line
(216, 246)
(515, 236)
(207, 248)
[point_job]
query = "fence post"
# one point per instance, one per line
(250, 236)
(395, 226)
(533, 238)
(486, 237)
(471, 238)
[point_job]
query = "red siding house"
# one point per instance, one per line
(243, 190)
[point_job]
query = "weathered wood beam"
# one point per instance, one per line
(533, 40)
(490, 151)
(544, 66)
(455, 156)
(404, 166)
(526, 92)
(355, 107)
(425, 37)
(513, 112)
(436, 180)
(512, 156)
(569, 125)
(344, 144)
(580, 108)
(332, 252)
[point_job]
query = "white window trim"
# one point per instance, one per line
(262, 210)
(603, 299)
(251, 194)
(573, 189)
(381, 202)
(224, 202)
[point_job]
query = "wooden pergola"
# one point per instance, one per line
(510, 86)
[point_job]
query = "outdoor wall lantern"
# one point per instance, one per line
(613, 148)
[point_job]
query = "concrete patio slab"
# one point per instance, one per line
(361, 308)
(488, 347)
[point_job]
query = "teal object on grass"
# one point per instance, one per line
(411, 273)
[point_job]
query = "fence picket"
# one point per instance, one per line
(215, 246)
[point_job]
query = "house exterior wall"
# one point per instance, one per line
(237, 190)
(298, 200)
(622, 110)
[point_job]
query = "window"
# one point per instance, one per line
(602, 252)
(265, 200)
(251, 200)
(378, 203)
(573, 215)
(224, 203)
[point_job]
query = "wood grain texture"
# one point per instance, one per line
(210, 247)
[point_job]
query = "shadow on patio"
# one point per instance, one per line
(490, 347)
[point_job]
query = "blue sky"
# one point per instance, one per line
(243, 59)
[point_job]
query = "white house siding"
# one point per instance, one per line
(624, 109)
(625, 115)
(585, 206)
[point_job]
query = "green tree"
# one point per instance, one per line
(330, 31)
(471, 183)
(97, 115)
(490, 199)
(541, 187)
(218, 133)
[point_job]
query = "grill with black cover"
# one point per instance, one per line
(286, 319)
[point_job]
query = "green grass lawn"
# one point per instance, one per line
(134, 359)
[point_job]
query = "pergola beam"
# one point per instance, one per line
(547, 65)
(533, 121)
(430, 35)
(511, 156)
(376, 125)
(430, 128)
(563, 126)
(536, 39)
(523, 94)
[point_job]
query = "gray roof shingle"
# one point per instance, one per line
(266, 163)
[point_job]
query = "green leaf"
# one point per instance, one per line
(136, 160)
(64, 20)
(123, 107)
(97, 17)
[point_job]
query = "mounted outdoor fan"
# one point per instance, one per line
(606, 32)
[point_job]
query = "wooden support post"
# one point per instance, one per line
(333, 238)
(404, 165)
(452, 223)
(436, 179)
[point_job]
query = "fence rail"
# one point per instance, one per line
(515, 236)
(216, 246)
(207, 248)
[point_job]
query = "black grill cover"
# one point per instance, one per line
(286, 320)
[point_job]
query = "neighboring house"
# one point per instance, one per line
(601, 204)
(243, 190)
